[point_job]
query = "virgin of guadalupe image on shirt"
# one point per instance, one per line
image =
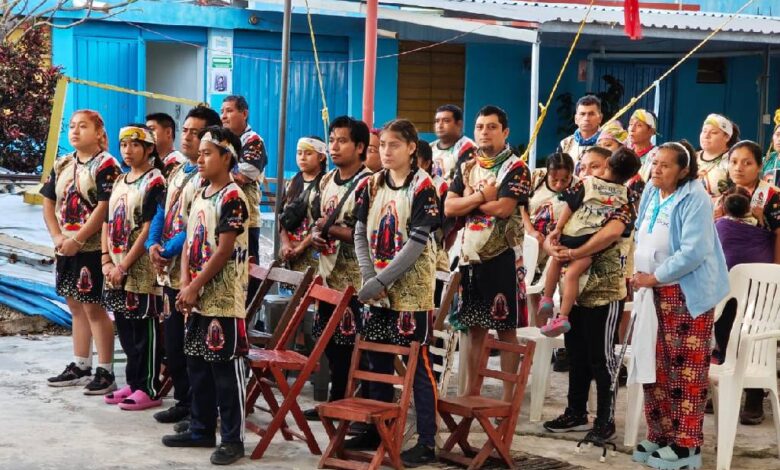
(330, 208)
(438, 167)
(479, 221)
(200, 248)
(74, 214)
(386, 240)
(173, 221)
(117, 230)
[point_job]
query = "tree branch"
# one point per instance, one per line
(45, 18)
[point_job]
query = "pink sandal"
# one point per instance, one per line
(556, 327)
(118, 395)
(139, 400)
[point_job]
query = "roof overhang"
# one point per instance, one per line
(606, 23)
(410, 23)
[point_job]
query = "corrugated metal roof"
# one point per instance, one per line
(568, 13)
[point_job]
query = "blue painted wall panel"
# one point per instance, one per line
(107, 60)
(737, 98)
(257, 76)
(495, 74)
(635, 78)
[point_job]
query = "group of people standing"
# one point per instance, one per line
(161, 241)
(687, 217)
(169, 240)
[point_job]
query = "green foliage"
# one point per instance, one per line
(27, 83)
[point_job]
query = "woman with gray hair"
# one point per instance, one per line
(679, 257)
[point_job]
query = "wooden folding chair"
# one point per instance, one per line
(389, 418)
(483, 409)
(270, 365)
(269, 276)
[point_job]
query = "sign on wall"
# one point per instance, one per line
(221, 64)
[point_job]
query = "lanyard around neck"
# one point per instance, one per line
(657, 206)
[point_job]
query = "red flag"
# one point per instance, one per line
(633, 26)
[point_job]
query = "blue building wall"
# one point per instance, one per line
(113, 52)
(759, 7)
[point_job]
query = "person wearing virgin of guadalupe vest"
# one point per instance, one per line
(718, 135)
(451, 146)
(214, 279)
(164, 128)
(489, 191)
(333, 237)
(75, 202)
(166, 239)
(544, 206)
(642, 126)
(588, 118)
(249, 172)
(130, 292)
(397, 211)
(296, 248)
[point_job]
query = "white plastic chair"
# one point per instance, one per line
(751, 356)
(541, 368)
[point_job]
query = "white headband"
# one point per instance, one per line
(646, 117)
(685, 150)
(306, 143)
(721, 123)
(223, 145)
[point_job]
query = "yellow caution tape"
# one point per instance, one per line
(147, 94)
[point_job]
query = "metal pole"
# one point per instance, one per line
(534, 115)
(763, 95)
(282, 118)
(369, 66)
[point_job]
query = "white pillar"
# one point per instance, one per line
(534, 115)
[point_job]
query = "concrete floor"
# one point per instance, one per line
(43, 427)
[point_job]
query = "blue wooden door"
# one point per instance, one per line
(257, 76)
(635, 77)
(112, 61)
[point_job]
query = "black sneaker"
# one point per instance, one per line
(227, 453)
(366, 441)
(602, 432)
(752, 412)
(173, 414)
(311, 414)
(568, 422)
(418, 455)
(561, 363)
(357, 428)
(72, 375)
(181, 426)
(186, 439)
(102, 383)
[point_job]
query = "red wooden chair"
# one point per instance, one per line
(483, 409)
(269, 276)
(270, 366)
(389, 418)
(260, 273)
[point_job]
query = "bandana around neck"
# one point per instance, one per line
(588, 142)
(492, 162)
